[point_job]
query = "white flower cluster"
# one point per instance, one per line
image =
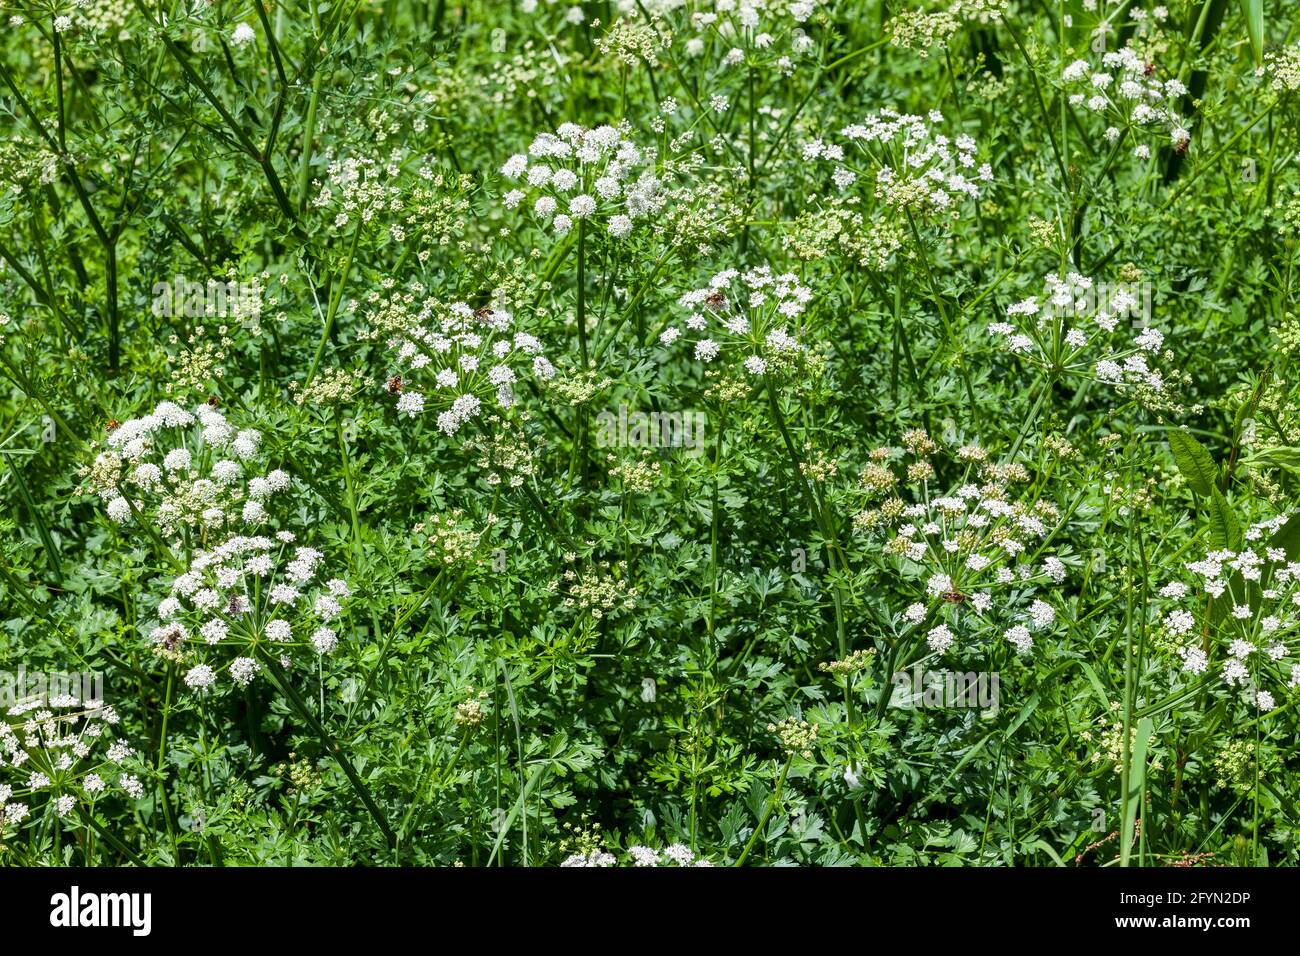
(749, 315)
(762, 32)
(975, 551)
(917, 168)
(676, 855)
(58, 753)
(359, 188)
(1125, 91)
(595, 858)
(575, 173)
(243, 602)
(93, 20)
(183, 470)
(464, 357)
(1237, 612)
(1085, 328)
(1282, 67)
(573, 14)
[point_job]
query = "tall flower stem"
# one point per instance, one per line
(164, 802)
(834, 556)
(582, 291)
(335, 301)
(348, 485)
(333, 749)
(714, 574)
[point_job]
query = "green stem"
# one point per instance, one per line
(163, 799)
(767, 814)
(335, 300)
(332, 747)
(348, 485)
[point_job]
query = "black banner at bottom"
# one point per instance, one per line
(308, 905)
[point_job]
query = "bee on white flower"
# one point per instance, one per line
(467, 358)
(1124, 91)
(746, 319)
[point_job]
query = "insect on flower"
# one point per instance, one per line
(454, 358)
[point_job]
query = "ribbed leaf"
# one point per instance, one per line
(1137, 782)
(1194, 461)
(1225, 529)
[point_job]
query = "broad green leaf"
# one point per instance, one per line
(1284, 456)
(1093, 679)
(1193, 461)
(1137, 779)
(1021, 717)
(1225, 529)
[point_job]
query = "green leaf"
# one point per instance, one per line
(1284, 456)
(1046, 848)
(1253, 10)
(1093, 679)
(1225, 529)
(1025, 711)
(1137, 781)
(1193, 461)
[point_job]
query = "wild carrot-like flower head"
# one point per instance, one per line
(358, 189)
(185, 471)
(754, 34)
(1282, 68)
(1092, 330)
(917, 170)
(454, 361)
(748, 321)
(598, 590)
(250, 602)
(60, 753)
(923, 30)
(598, 175)
(1126, 93)
(975, 552)
(1235, 613)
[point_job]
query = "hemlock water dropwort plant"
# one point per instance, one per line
(975, 554)
(59, 757)
(637, 394)
(455, 358)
